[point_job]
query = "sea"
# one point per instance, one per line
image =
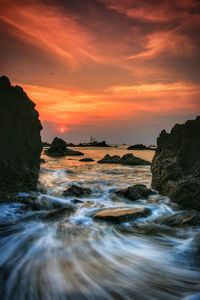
(78, 257)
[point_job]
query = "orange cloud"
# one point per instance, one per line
(170, 42)
(68, 108)
(48, 28)
(103, 61)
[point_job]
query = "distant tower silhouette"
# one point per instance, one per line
(92, 139)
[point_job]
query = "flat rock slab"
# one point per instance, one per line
(121, 214)
(86, 159)
(139, 147)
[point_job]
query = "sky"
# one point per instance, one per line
(118, 70)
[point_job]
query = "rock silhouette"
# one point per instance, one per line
(176, 164)
(59, 148)
(21, 144)
(139, 147)
(86, 159)
(127, 159)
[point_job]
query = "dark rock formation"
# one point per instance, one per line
(59, 213)
(127, 159)
(77, 191)
(59, 148)
(139, 147)
(176, 164)
(98, 144)
(46, 144)
(86, 159)
(21, 144)
(42, 160)
(123, 214)
(70, 152)
(135, 192)
(93, 144)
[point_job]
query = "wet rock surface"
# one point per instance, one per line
(135, 192)
(77, 191)
(176, 164)
(21, 144)
(117, 215)
(59, 148)
(58, 214)
(37, 201)
(48, 238)
(127, 159)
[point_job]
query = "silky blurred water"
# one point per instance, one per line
(76, 257)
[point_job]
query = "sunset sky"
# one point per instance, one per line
(119, 70)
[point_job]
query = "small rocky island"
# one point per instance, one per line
(140, 147)
(127, 159)
(59, 148)
(21, 144)
(94, 144)
(176, 164)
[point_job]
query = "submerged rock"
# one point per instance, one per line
(176, 164)
(60, 213)
(139, 147)
(127, 159)
(21, 144)
(59, 148)
(86, 159)
(135, 192)
(70, 152)
(78, 191)
(36, 201)
(116, 214)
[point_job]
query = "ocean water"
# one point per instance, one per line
(76, 257)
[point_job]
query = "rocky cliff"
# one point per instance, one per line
(176, 164)
(21, 144)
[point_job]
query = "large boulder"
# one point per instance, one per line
(21, 144)
(176, 164)
(135, 192)
(59, 148)
(127, 159)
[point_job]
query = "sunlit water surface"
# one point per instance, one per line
(76, 257)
